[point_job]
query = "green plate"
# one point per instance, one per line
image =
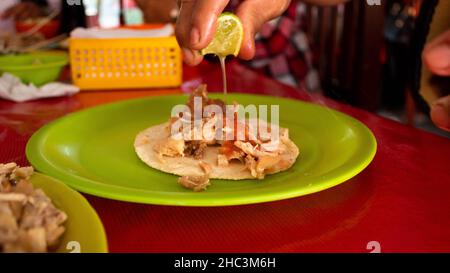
(84, 230)
(92, 151)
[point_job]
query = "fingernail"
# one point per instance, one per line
(191, 57)
(195, 36)
(440, 115)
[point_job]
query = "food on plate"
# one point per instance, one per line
(29, 221)
(219, 151)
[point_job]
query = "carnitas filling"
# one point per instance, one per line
(29, 222)
(257, 153)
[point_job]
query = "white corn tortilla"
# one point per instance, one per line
(188, 166)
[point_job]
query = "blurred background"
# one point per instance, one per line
(364, 55)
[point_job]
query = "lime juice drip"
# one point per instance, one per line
(224, 77)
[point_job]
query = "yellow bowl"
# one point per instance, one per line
(84, 230)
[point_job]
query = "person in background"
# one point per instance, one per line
(6, 24)
(23, 10)
(436, 57)
(282, 49)
(436, 60)
(71, 16)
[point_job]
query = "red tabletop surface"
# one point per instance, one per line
(401, 200)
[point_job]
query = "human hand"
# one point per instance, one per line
(197, 23)
(436, 56)
(23, 11)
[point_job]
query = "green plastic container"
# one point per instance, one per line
(36, 68)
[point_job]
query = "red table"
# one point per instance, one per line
(402, 200)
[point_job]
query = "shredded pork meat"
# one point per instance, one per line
(29, 222)
(195, 183)
(170, 147)
(258, 154)
(195, 148)
(202, 92)
(205, 167)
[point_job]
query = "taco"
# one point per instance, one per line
(198, 160)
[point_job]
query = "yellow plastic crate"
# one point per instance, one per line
(125, 63)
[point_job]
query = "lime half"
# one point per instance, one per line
(228, 37)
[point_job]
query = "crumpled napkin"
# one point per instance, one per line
(97, 33)
(11, 88)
